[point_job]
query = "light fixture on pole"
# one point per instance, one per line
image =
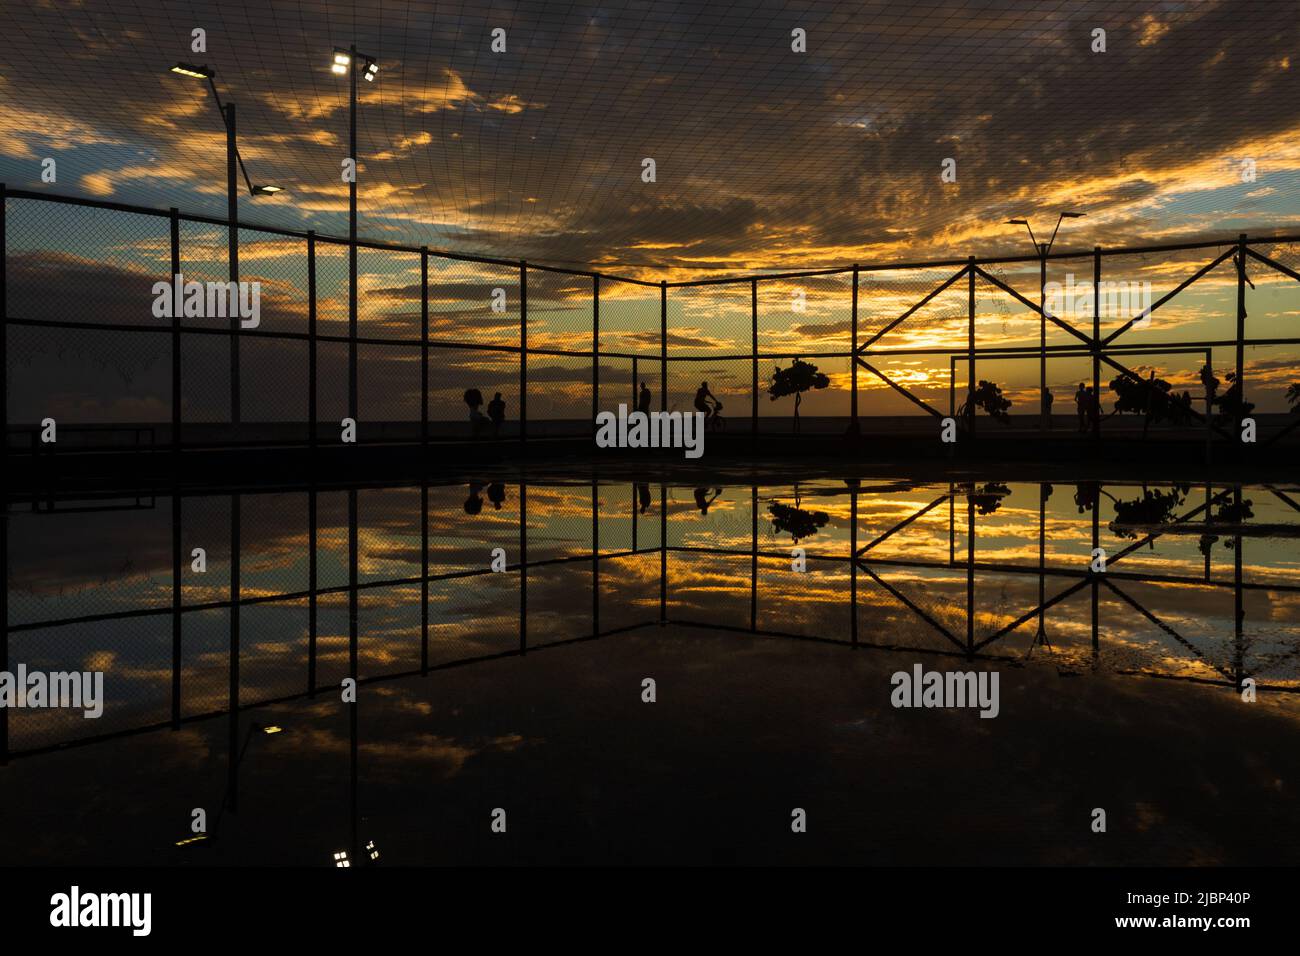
(233, 159)
(1043, 250)
(345, 63)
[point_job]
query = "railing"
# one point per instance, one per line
(559, 344)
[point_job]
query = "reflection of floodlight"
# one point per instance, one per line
(370, 848)
(192, 840)
(272, 729)
(341, 858)
(198, 72)
(267, 190)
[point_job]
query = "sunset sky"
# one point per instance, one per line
(766, 158)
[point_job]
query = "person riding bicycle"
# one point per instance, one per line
(703, 398)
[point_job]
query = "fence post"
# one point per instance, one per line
(1095, 412)
(232, 200)
(854, 426)
(4, 473)
(970, 351)
(753, 321)
(424, 357)
(175, 231)
(523, 353)
(595, 352)
(663, 344)
(311, 337)
(1241, 328)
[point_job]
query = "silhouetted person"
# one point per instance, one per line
(497, 494)
(497, 413)
(702, 399)
(474, 503)
(703, 499)
(1093, 406)
(1081, 405)
(1047, 406)
(643, 496)
(474, 399)
(643, 400)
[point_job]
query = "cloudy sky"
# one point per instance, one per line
(765, 157)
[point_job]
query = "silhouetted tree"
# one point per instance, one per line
(988, 396)
(1293, 396)
(1152, 398)
(800, 377)
(1232, 407)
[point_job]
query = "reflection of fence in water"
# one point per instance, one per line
(347, 609)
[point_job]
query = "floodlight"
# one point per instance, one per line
(198, 72)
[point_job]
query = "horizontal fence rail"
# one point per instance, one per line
(422, 327)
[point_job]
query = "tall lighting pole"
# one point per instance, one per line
(345, 61)
(1042, 250)
(233, 160)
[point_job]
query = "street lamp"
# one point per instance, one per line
(345, 63)
(233, 159)
(1043, 249)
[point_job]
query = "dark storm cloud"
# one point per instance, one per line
(762, 154)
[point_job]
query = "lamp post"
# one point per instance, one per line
(1042, 250)
(345, 61)
(233, 159)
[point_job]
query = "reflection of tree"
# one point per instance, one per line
(795, 521)
(1293, 396)
(1153, 508)
(988, 498)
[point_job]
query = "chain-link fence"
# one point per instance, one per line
(444, 347)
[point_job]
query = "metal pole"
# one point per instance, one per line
(352, 236)
(1096, 350)
(753, 557)
(176, 334)
(424, 349)
(853, 545)
(233, 688)
(663, 344)
(970, 372)
(523, 354)
(854, 426)
(176, 603)
(424, 576)
(753, 321)
(232, 214)
(1241, 326)
(1044, 419)
(595, 557)
(311, 587)
(311, 338)
(595, 352)
(523, 566)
